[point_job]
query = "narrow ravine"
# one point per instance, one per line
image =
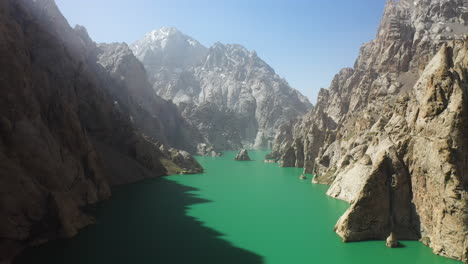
(236, 212)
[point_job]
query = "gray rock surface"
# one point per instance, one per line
(243, 155)
(154, 116)
(179, 161)
(204, 149)
(63, 138)
(234, 82)
(387, 134)
(219, 127)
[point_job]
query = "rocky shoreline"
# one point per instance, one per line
(72, 125)
(388, 136)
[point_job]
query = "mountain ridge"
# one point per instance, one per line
(223, 75)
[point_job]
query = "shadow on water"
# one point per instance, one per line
(144, 223)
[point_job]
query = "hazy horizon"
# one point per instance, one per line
(306, 43)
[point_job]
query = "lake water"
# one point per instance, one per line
(236, 212)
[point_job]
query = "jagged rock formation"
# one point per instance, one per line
(179, 161)
(166, 54)
(243, 155)
(63, 140)
(204, 149)
(154, 116)
(225, 81)
(219, 127)
(388, 134)
(392, 241)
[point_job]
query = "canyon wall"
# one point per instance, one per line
(64, 137)
(389, 135)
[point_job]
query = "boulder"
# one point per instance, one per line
(243, 155)
(208, 150)
(179, 161)
(392, 241)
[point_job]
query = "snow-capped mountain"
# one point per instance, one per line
(167, 51)
(229, 77)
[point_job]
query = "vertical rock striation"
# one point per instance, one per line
(389, 133)
(154, 116)
(64, 136)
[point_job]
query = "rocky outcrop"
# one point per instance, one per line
(387, 134)
(383, 204)
(204, 149)
(154, 116)
(243, 155)
(228, 78)
(392, 241)
(63, 139)
(179, 161)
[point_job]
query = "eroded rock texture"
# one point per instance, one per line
(63, 138)
(154, 116)
(389, 134)
(243, 155)
(220, 84)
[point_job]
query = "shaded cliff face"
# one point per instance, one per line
(229, 78)
(154, 116)
(62, 137)
(388, 133)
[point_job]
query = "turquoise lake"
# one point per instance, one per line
(236, 212)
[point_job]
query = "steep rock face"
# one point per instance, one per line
(219, 127)
(62, 138)
(383, 205)
(387, 134)
(49, 166)
(154, 116)
(179, 161)
(243, 155)
(226, 77)
(166, 54)
(392, 241)
(440, 185)
(204, 149)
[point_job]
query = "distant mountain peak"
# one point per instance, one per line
(163, 32)
(206, 83)
(168, 47)
(160, 37)
(168, 30)
(232, 56)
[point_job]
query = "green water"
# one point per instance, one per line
(236, 212)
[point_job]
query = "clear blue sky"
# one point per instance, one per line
(306, 41)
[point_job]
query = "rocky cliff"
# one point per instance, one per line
(63, 139)
(227, 82)
(154, 116)
(389, 134)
